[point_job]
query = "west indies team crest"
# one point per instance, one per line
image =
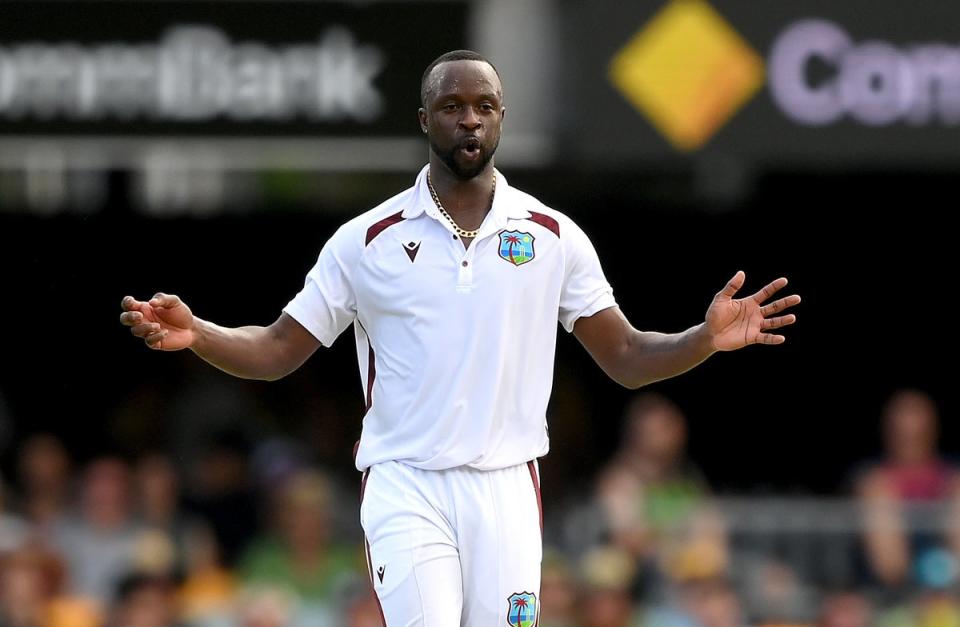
(516, 247)
(523, 609)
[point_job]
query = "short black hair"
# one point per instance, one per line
(453, 55)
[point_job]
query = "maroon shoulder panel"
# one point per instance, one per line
(384, 224)
(543, 220)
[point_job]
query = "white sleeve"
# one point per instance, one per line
(585, 289)
(327, 305)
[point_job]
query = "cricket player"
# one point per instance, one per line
(454, 288)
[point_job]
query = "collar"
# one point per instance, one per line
(503, 209)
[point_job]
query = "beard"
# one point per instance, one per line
(464, 172)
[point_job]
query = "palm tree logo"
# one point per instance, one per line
(512, 239)
(522, 611)
(516, 247)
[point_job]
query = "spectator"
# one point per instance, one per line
(300, 554)
(45, 481)
(933, 608)
(361, 606)
(656, 501)
(702, 602)
(265, 606)
(158, 500)
(605, 601)
(145, 601)
(558, 591)
(208, 589)
(100, 544)
(847, 608)
(712, 602)
(912, 473)
(29, 579)
(774, 593)
(32, 594)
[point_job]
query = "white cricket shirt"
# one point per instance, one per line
(456, 347)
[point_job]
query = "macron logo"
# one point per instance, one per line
(411, 248)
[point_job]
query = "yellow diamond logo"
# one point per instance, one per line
(688, 71)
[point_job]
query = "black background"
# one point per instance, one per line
(870, 252)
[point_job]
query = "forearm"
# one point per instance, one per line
(250, 352)
(633, 358)
(649, 356)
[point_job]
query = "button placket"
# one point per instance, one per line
(465, 271)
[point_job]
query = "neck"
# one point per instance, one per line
(466, 200)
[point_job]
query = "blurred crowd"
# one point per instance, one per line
(257, 534)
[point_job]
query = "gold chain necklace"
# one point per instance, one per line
(456, 227)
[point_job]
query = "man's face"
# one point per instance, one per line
(911, 428)
(660, 435)
(463, 115)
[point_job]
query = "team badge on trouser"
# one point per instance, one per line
(523, 609)
(516, 247)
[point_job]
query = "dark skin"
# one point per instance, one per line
(464, 100)
(462, 117)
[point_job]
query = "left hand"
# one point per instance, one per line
(733, 324)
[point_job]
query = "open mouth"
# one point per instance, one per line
(470, 146)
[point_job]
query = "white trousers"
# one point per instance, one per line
(454, 547)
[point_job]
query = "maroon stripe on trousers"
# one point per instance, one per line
(536, 488)
(382, 225)
(366, 544)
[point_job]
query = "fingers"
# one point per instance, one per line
(164, 300)
(733, 285)
(145, 330)
(154, 340)
(780, 305)
(133, 316)
(129, 303)
(776, 323)
(130, 318)
(770, 289)
(769, 338)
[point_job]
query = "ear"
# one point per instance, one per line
(422, 115)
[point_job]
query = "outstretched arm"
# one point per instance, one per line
(268, 353)
(635, 358)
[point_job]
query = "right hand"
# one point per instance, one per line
(164, 322)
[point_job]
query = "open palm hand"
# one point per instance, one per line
(735, 323)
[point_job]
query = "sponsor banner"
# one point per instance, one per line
(200, 69)
(862, 80)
